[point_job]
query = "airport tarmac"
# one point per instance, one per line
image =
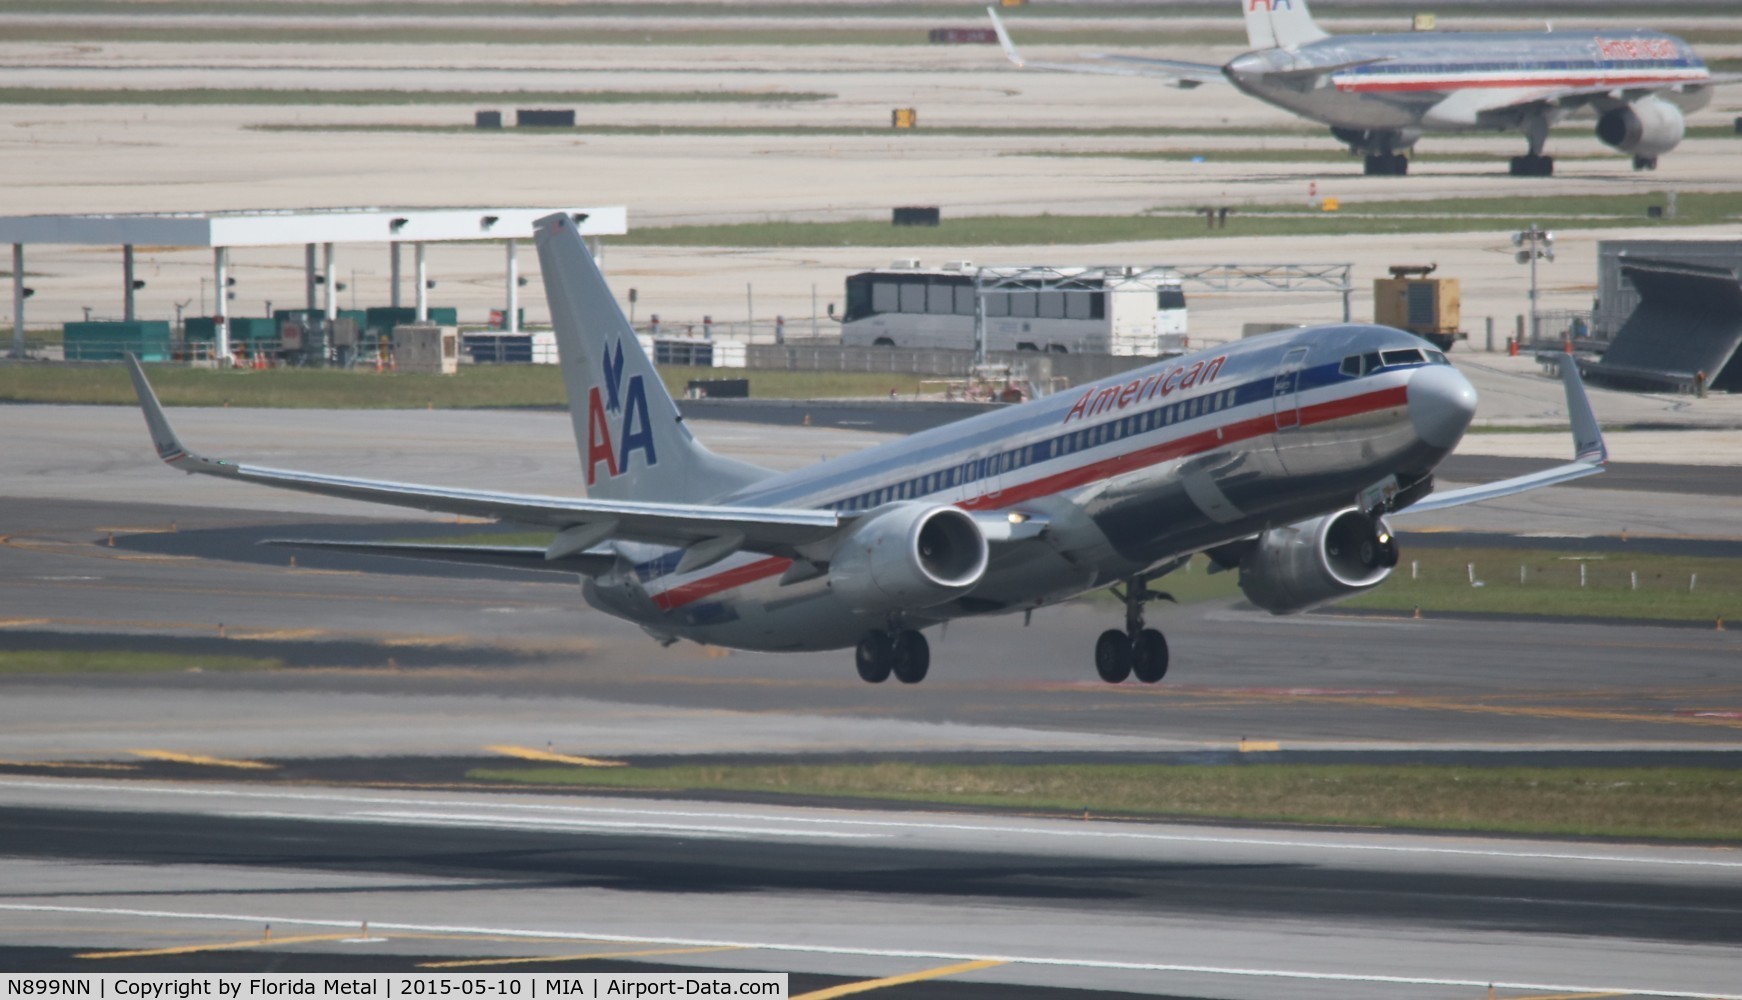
(123, 876)
(233, 156)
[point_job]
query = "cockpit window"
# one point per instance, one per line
(1356, 365)
(1407, 356)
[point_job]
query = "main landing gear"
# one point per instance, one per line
(902, 652)
(1532, 165)
(1136, 652)
(1386, 165)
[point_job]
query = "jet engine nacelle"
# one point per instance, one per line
(1315, 562)
(913, 555)
(1647, 127)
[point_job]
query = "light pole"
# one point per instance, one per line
(1533, 245)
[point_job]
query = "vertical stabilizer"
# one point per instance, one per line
(1280, 24)
(631, 438)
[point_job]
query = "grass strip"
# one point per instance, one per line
(120, 661)
(580, 33)
(1321, 153)
(1668, 803)
(308, 96)
(1562, 584)
(846, 131)
(474, 387)
(321, 9)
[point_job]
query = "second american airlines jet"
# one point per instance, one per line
(1380, 93)
(1280, 456)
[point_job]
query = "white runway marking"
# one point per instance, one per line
(817, 949)
(476, 821)
(1705, 857)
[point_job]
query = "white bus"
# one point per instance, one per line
(1078, 310)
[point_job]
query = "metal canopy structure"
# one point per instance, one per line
(325, 228)
(1272, 278)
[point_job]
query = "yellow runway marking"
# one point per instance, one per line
(71, 764)
(279, 633)
(190, 949)
(528, 753)
(24, 622)
(194, 758)
(1436, 704)
(429, 640)
(1259, 746)
(480, 962)
(864, 986)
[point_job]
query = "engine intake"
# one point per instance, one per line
(1302, 566)
(1647, 127)
(911, 555)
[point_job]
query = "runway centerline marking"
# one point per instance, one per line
(1052, 961)
(558, 823)
(867, 985)
(176, 757)
(473, 963)
(1336, 842)
(529, 753)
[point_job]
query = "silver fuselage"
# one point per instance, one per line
(1413, 81)
(1129, 473)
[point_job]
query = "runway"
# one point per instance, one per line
(125, 829)
(1142, 908)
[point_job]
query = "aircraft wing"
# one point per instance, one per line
(1466, 106)
(1590, 454)
(1183, 74)
(582, 523)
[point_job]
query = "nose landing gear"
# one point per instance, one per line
(1138, 651)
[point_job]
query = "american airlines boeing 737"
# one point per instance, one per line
(1380, 93)
(1279, 456)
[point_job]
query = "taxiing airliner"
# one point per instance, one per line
(1379, 93)
(1279, 456)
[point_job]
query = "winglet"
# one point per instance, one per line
(162, 434)
(1588, 443)
(1004, 38)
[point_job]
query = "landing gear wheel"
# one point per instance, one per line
(912, 657)
(1645, 163)
(1113, 656)
(1386, 165)
(1149, 656)
(1533, 166)
(875, 657)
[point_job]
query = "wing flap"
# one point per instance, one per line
(506, 556)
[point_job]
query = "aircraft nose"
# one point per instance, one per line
(1441, 403)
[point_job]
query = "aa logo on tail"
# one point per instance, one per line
(622, 410)
(1270, 5)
